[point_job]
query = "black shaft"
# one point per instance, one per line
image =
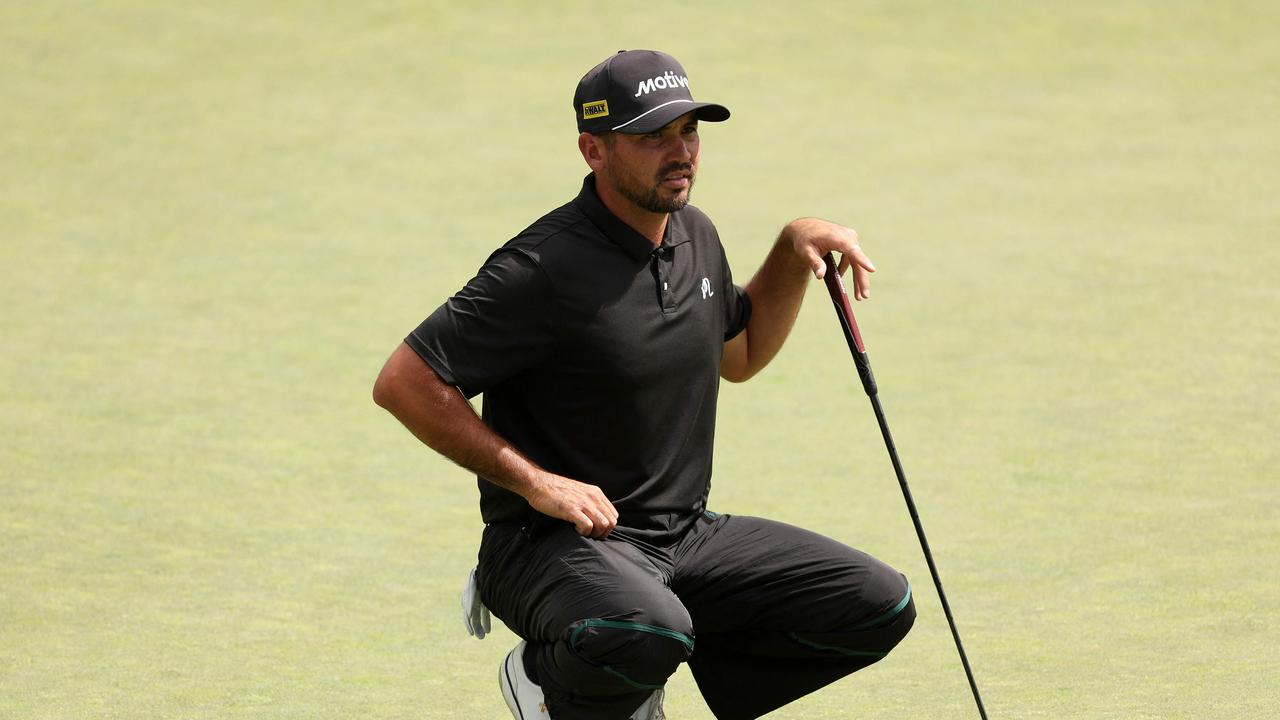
(849, 325)
(928, 555)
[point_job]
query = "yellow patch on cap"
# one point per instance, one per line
(595, 109)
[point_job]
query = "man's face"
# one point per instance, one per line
(654, 171)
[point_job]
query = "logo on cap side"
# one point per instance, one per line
(662, 82)
(595, 109)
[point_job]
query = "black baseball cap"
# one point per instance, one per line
(636, 92)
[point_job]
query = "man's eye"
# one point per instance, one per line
(655, 135)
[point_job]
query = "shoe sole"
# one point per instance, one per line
(507, 682)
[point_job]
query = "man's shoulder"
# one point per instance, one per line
(541, 236)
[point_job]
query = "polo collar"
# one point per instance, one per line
(620, 233)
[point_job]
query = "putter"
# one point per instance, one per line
(840, 298)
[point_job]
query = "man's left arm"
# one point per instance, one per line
(779, 285)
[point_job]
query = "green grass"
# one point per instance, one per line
(216, 221)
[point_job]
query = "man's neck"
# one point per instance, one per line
(649, 224)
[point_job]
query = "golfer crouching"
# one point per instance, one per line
(598, 336)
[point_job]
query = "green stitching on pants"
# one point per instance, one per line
(638, 627)
(623, 625)
(888, 615)
(878, 621)
(637, 685)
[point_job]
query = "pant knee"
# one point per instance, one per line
(892, 605)
(898, 626)
(640, 655)
(873, 634)
(894, 614)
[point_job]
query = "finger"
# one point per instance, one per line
(844, 264)
(860, 258)
(583, 524)
(602, 529)
(815, 262)
(861, 283)
(609, 518)
(862, 269)
(596, 522)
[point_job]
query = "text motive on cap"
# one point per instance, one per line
(662, 82)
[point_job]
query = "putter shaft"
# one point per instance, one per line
(840, 298)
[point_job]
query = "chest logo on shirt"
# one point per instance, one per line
(706, 289)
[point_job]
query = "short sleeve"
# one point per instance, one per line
(737, 305)
(502, 322)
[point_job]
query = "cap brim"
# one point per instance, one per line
(659, 117)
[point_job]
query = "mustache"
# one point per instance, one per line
(683, 167)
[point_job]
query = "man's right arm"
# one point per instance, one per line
(438, 415)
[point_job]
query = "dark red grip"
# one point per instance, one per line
(835, 286)
(840, 298)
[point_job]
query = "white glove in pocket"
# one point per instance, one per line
(474, 614)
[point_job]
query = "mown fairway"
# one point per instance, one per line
(217, 220)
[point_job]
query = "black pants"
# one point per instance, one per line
(763, 612)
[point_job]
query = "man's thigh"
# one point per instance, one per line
(740, 573)
(547, 584)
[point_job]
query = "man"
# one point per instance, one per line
(598, 337)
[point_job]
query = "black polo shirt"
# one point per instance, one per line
(598, 356)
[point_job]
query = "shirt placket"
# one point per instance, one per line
(663, 257)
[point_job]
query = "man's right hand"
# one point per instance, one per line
(579, 503)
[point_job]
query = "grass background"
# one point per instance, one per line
(216, 221)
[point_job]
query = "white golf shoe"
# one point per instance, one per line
(526, 701)
(523, 696)
(652, 708)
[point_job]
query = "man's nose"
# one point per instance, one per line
(682, 148)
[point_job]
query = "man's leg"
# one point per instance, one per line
(603, 629)
(780, 612)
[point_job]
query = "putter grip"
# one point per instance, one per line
(840, 299)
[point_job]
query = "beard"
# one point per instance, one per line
(647, 196)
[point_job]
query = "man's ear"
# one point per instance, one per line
(593, 150)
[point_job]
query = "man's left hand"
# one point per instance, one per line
(812, 238)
